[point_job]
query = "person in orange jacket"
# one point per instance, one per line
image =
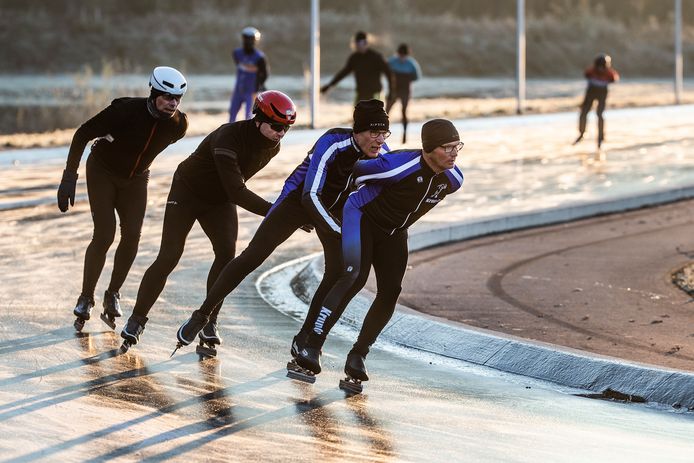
(599, 76)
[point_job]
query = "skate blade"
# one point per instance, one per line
(351, 385)
(294, 371)
(124, 347)
(205, 351)
(178, 346)
(105, 318)
(79, 324)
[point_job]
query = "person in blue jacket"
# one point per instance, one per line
(394, 191)
(312, 195)
(251, 73)
(405, 71)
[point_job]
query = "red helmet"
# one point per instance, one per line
(274, 106)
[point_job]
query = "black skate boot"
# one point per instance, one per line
(83, 311)
(298, 343)
(190, 329)
(209, 338)
(111, 308)
(306, 365)
(131, 331)
(355, 368)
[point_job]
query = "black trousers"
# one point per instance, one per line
(281, 222)
(183, 208)
(593, 93)
(364, 245)
(108, 195)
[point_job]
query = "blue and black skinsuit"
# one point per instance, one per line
(313, 194)
(251, 74)
(394, 191)
(129, 137)
(207, 186)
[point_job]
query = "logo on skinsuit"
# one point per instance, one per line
(322, 316)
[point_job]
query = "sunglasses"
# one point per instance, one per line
(279, 127)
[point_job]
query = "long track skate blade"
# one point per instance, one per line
(124, 347)
(351, 386)
(205, 351)
(178, 346)
(79, 324)
(294, 371)
(105, 318)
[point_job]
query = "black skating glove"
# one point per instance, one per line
(66, 190)
(324, 88)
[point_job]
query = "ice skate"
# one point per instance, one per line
(111, 308)
(306, 365)
(580, 137)
(294, 371)
(190, 330)
(355, 368)
(131, 332)
(209, 339)
(82, 311)
(298, 344)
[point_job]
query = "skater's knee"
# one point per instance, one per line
(166, 263)
(389, 294)
(102, 239)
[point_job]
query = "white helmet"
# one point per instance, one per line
(251, 32)
(168, 80)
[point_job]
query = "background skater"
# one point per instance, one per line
(599, 76)
(251, 73)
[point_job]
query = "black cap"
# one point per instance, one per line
(437, 132)
(361, 35)
(370, 115)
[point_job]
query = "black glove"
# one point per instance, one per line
(66, 190)
(308, 228)
(324, 88)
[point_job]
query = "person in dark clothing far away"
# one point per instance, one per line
(599, 76)
(207, 187)
(251, 73)
(130, 133)
(367, 66)
(405, 71)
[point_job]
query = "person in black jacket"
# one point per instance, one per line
(207, 187)
(130, 133)
(367, 66)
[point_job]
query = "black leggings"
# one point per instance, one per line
(282, 221)
(404, 96)
(363, 245)
(183, 208)
(127, 197)
(593, 93)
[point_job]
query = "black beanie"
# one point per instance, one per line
(437, 132)
(370, 115)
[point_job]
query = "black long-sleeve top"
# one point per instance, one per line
(218, 169)
(129, 137)
(367, 67)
